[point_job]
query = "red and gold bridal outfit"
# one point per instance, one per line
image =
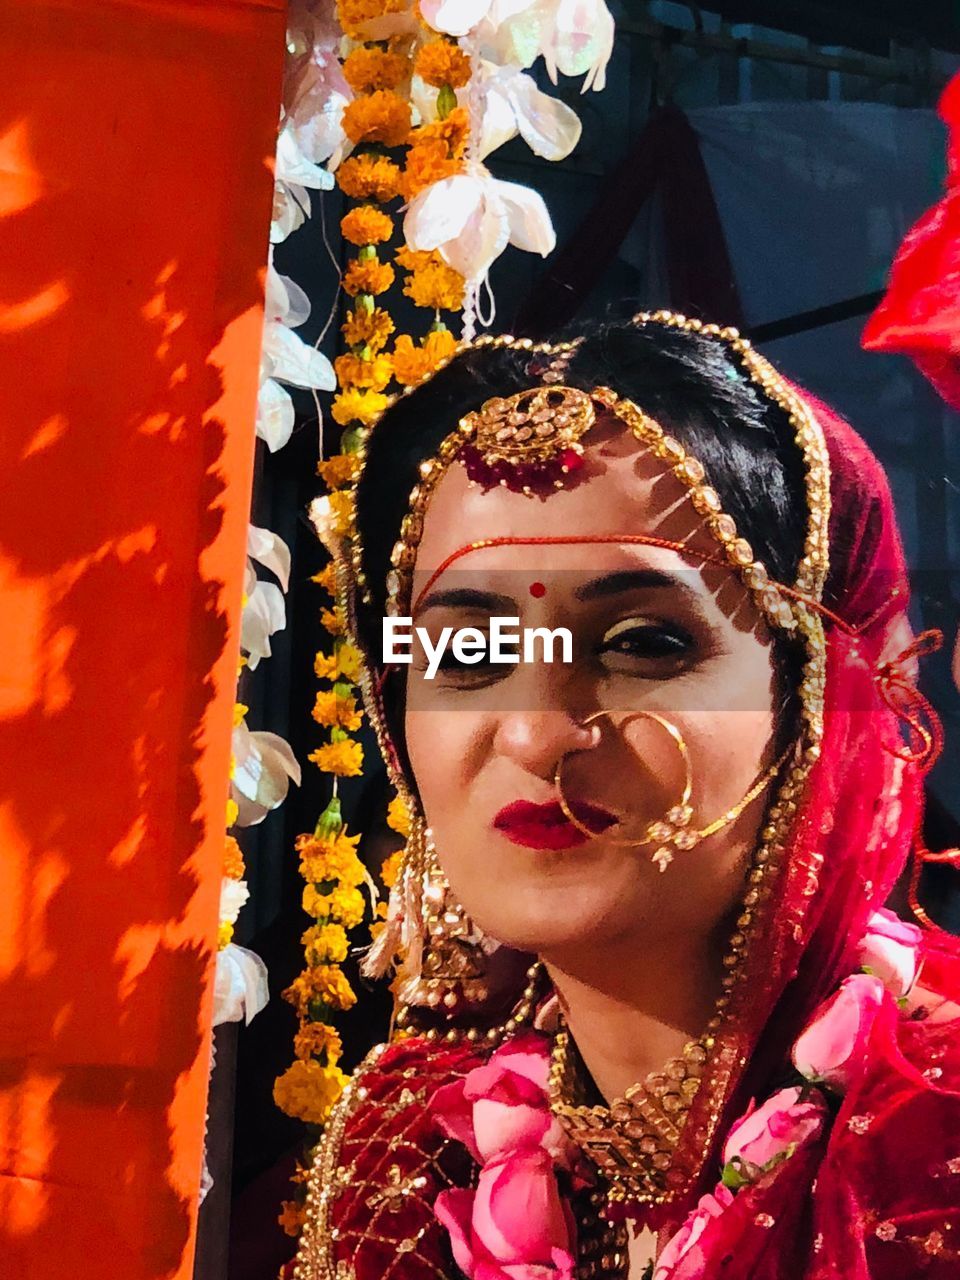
(873, 1190)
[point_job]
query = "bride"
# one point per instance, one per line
(653, 1017)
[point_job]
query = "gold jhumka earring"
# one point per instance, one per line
(673, 831)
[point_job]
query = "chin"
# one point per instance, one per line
(553, 924)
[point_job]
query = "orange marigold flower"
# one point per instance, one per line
(341, 507)
(370, 276)
(325, 943)
(344, 663)
(391, 869)
(315, 1038)
(333, 712)
(233, 812)
(366, 225)
(382, 116)
(355, 14)
(332, 620)
(440, 345)
(292, 1217)
(354, 405)
(411, 364)
(417, 259)
(354, 372)
(313, 846)
(368, 328)
(369, 68)
(327, 577)
(398, 819)
(337, 471)
(443, 62)
(233, 865)
(452, 132)
(224, 934)
(427, 164)
(307, 1091)
(437, 287)
(345, 758)
(369, 178)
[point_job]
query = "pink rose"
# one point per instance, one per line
(504, 1106)
(890, 949)
(681, 1255)
(515, 1225)
(775, 1129)
(832, 1046)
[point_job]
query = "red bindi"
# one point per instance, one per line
(537, 589)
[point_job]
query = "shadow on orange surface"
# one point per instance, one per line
(134, 205)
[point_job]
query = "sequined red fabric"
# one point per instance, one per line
(394, 1161)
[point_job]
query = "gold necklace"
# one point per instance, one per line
(632, 1143)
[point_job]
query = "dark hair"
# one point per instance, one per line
(690, 383)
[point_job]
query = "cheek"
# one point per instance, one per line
(441, 746)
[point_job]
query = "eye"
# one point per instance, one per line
(641, 642)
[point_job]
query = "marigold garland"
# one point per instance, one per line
(379, 117)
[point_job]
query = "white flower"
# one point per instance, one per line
(263, 614)
(275, 414)
(325, 523)
(285, 358)
(264, 768)
(240, 988)
(233, 894)
(294, 174)
(457, 17)
(514, 104)
(270, 550)
(575, 37)
(472, 217)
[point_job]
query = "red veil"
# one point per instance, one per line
(886, 1178)
(876, 1196)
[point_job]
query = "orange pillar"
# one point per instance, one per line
(134, 209)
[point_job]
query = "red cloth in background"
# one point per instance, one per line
(134, 211)
(920, 314)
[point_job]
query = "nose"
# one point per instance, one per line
(537, 739)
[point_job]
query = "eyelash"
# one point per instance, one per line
(659, 642)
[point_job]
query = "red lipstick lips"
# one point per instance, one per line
(546, 826)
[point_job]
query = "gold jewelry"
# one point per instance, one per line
(767, 868)
(633, 1142)
(673, 829)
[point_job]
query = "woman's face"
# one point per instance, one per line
(652, 630)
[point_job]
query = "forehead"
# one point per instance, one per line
(622, 490)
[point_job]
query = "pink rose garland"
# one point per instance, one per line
(515, 1225)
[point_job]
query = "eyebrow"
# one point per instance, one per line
(621, 580)
(467, 598)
